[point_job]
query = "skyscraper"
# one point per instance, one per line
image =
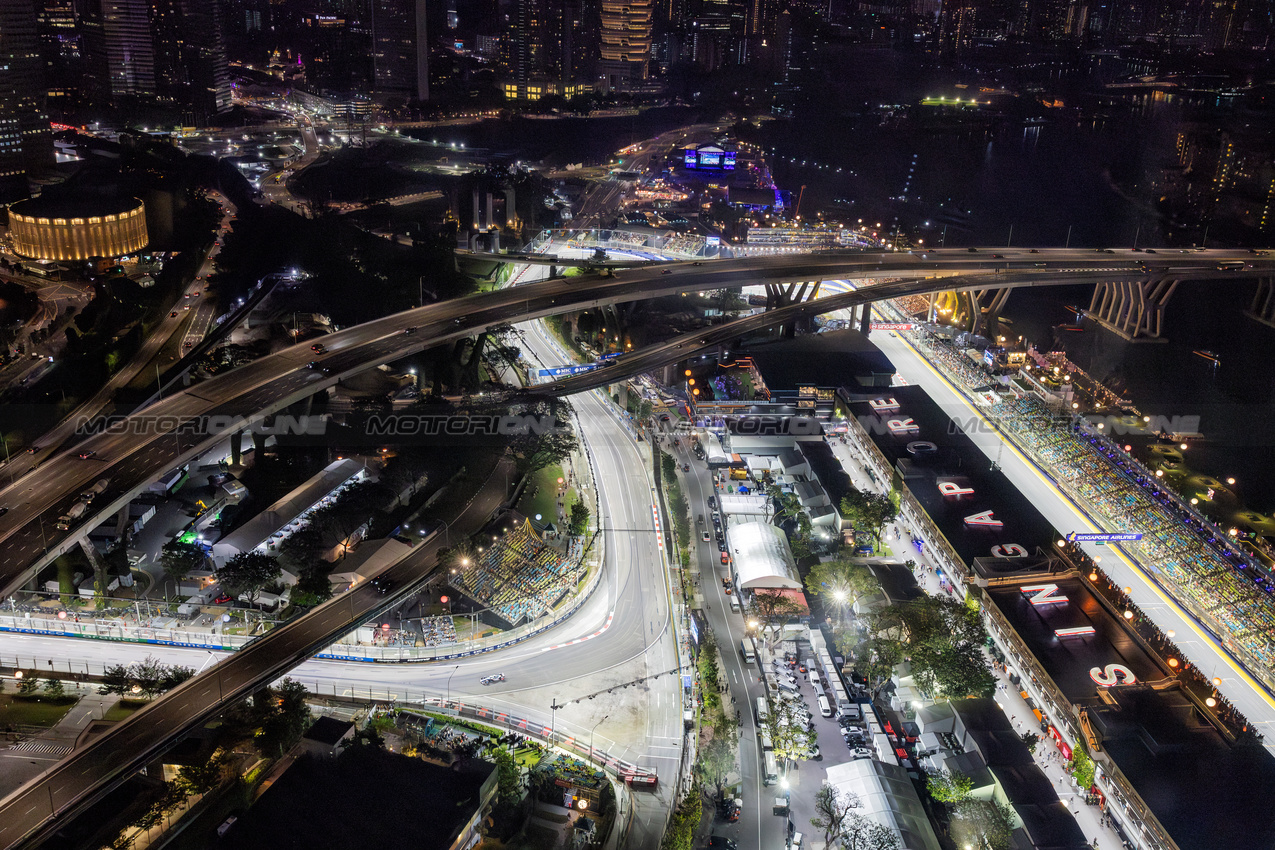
(119, 49)
(400, 48)
(626, 43)
(61, 51)
(25, 143)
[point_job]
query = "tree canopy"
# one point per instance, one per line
(944, 639)
(538, 448)
(179, 560)
(832, 808)
(840, 582)
(870, 512)
(248, 572)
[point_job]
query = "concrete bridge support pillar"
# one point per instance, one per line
(1263, 307)
(865, 319)
(1134, 309)
(796, 292)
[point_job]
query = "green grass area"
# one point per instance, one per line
(539, 497)
(123, 709)
(33, 711)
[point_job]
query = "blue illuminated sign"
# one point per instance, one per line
(566, 371)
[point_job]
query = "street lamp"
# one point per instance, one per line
(591, 731)
(449, 685)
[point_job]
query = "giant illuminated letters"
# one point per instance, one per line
(1112, 674)
(1042, 594)
(985, 519)
(902, 426)
(954, 490)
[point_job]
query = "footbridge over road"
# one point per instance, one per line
(175, 430)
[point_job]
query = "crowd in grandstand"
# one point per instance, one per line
(438, 631)
(521, 577)
(1184, 554)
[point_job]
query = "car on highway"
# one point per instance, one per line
(972, 250)
(705, 536)
(318, 346)
(492, 679)
(3, 511)
(411, 330)
(172, 315)
(382, 585)
(722, 843)
(87, 454)
(666, 271)
(33, 450)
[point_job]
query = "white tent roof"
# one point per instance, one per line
(886, 795)
(735, 504)
(762, 556)
(713, 451)
(274, 518)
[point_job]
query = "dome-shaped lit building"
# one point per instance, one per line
(77, 228)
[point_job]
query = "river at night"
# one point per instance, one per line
(1083, 181)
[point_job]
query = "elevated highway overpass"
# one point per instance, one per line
(158, 438)
(149, 443)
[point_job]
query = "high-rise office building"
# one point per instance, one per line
(335, 41)
(626, 43)
(25, 142)
(60, 49)
(190, 58)
(119, 50)
(400, 48)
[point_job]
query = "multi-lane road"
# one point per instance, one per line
(152, 443)
(628, 618)
(278, 380)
